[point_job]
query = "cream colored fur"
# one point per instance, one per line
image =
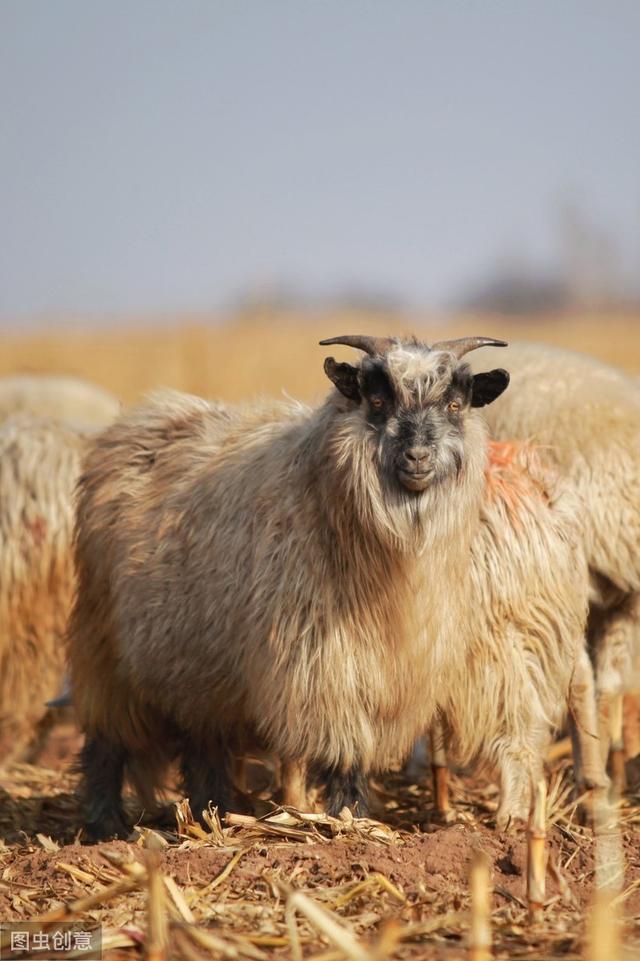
(65, 398)
(525, 663)
(243, 568)
(586, 416)
(39, 466)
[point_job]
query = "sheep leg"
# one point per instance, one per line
(613, 638)
(345, 789)
(588, 756)
(439, 770)
(38, 741)
(102, 764)
(205, 776)
(630, 724)
(616, 748)
(520, 768)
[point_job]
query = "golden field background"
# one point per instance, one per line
(264, 352)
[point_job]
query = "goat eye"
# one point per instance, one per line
(377, 403)
(453, 407)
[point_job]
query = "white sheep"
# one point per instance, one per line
(585, 416)
(39, 467)
(66, 398)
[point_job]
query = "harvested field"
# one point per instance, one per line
(278, 884)
(273, 884)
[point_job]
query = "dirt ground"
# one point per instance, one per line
(279, 885)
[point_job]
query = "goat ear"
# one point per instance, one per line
(345, 377)
(488, 386)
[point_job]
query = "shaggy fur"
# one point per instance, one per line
(65, 398)
(525, 658)
(586, 416)
(521, 660)
(261, 569)
(39, 466)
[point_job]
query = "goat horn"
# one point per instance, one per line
(371, 345)
(463, 345)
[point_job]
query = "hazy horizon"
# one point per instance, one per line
(175, 156)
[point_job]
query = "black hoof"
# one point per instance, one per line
(108, 828)
(348, 789)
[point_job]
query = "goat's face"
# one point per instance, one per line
(415, 401)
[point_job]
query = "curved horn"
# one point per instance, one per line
(463, 345)
(370, 345)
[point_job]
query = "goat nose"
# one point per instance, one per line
(418, 456)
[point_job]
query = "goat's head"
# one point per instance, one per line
(416, 399)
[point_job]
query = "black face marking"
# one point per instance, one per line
(488, 386)
(457, 397)
(379, 394)
(344, 376)
(420, 434)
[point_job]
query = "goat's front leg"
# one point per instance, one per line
(345, 789)
(293, 779)
(439, 769)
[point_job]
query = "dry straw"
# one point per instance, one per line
(296, 885)
(480, 927)
(536, 855)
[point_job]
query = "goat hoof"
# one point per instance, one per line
(617, 771)
(443, 816)
(107, 829)
(511, 822)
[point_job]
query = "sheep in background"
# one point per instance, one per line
(526, 659)
(39, 466)
(303, 576)
(586, 415)
(65, 398)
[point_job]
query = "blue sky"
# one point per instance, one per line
(167, 156)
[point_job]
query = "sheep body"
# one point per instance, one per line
(586, 416)
(525, 662)
(39, 465)
(65, 398)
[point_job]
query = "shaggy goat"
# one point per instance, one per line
(587, 417)
(307, 576)
(259, 569)
(39, 467)
(65, 398)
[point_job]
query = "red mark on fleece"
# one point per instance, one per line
(507, 479)
(38, 529)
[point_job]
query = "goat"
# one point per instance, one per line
(264, 569)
